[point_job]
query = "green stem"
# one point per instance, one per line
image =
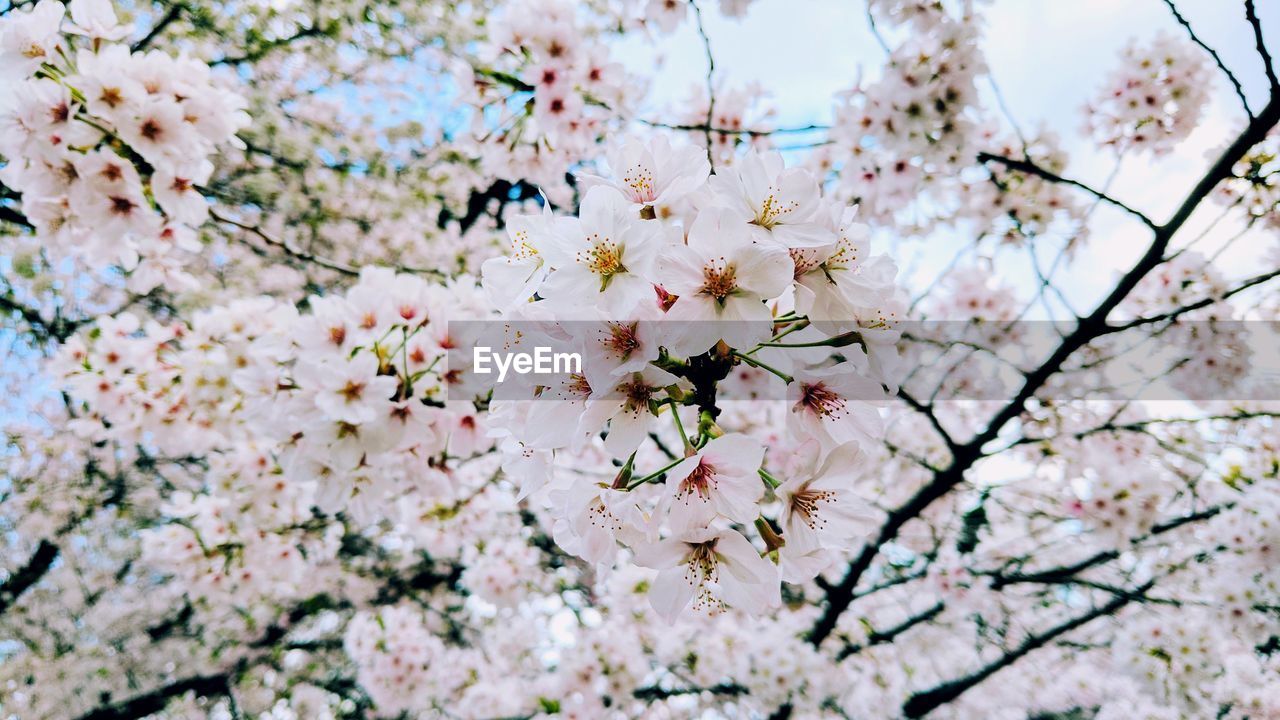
(756, 363)
(840, 340)
(655, 474)
(684, 438)
(624, 475)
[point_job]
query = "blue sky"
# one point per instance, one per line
(1048, 57)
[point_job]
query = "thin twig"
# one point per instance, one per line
(1031, 168)
(292, 251)
(1203, 302)
(175, 10)
(875, 31)
(1213, 54)
(711, 88)
(728, 131)
(1251, 15)
(922, 703)
(310, 257)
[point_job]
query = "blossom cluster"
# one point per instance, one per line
(680, 276)
(1154, 99)
(909, 129)
(551, 82)
(1254, 182)
(279, 480)
(348, 397)
(109, 147)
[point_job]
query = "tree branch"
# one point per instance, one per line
(711, 87)
(154, 701)
(1087, 329)
(1031, 168)
(174, 12)
(1066, 574)
(1203, 302)
(1251, 14)
(24, 577)
(922, 703)
(1213, 54)
(9, 215)
(879, 637)
(708, 128)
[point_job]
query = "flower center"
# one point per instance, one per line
(700, 482)
(622, 340)
(352, 390)
(805, 259)
(603, 258)
(151, 130)
(122, 205)
(823, 402)
(845, 256)
(522, 249)
(111, 96)
(719, 279)
(640, 180)
(806, 504)
(637, 394)
(701, 571)
(772, 209)
(580, 386)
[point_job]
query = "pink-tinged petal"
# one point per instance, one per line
(802, 235)
(689, 513)
(738, 498)
(681, 471)
(764, 270)
(600, 210)
(627, 430)
(680, 268)
(735, 450)
(671, 593)
(663, 554)
(799, 564)
(742, 560)
(717, 232)
(757, 172)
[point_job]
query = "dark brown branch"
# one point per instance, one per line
(289, 249)
(1026, 166)
(9, 215)
(175, 11)
(930, 415)
(29, 574)
(268, 47)
(1251, 14)
(1087, 329)
(1066, 574)
(880, 637)
(154, 701)
(1201, 303)
(653, 692)
(711, 86)
(708, 128)
(922, 703)
(1213, 54)
(1139, 426)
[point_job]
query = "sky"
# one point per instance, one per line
(1047, 57)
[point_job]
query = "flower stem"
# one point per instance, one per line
(684, 438)
(655, 474)
(756, 363)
